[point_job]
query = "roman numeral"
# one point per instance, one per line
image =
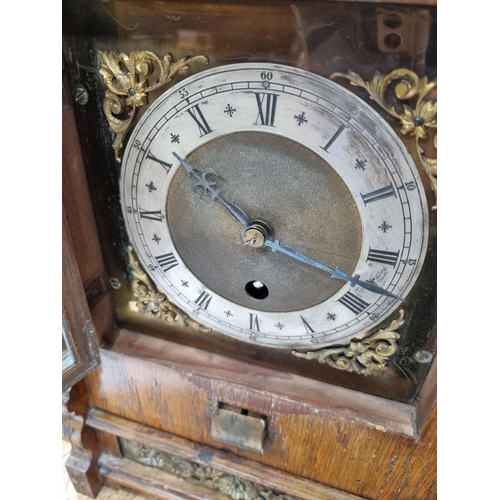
(307, 326)
(383, 256)
(379, 194)
(166, 261)
(200, 120)
(151, 215)
(267, 108)
(353, 302)
(204, 300)
(254, 322)
(164, 164)
(334, 138)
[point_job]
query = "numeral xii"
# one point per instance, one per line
(266, 104)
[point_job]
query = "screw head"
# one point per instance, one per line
(422, 357)
(81, 95)
(115, 283)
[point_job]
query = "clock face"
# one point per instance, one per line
(326, 184)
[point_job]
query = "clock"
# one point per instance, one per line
(250, 190)
(274, 206)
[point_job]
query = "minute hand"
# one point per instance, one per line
(276, 246)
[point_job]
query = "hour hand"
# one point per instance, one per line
(209, 186)
(276, 246)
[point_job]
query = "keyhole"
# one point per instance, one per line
(257, 290)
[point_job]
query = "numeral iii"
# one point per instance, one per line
(383, 256)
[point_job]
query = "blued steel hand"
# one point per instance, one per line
(209, 187)
(276, 246)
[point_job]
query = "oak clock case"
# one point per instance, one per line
(182, 211)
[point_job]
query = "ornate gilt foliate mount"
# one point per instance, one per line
(126, 77)
(368, 356)
(155, 304)
(415, 121)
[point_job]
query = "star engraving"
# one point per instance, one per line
(301, 118)
(228, 313)
(151, 187)
(360, 164)
(230, 110)
(131, 210)
(331, 316)
(280, 326)
(384, 226)
(185, 283)
(174, 138)
(156, 238)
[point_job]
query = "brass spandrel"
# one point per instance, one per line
(368, 355)
(415, 121)
(128, 86)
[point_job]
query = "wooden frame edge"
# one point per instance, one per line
(77, 315)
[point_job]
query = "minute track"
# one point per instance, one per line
(209, 87)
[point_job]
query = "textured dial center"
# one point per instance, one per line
(279, 181)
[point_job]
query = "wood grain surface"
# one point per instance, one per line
(154, 383)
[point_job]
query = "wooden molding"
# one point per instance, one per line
(128, 473)
(82, 462)
(365, 409)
